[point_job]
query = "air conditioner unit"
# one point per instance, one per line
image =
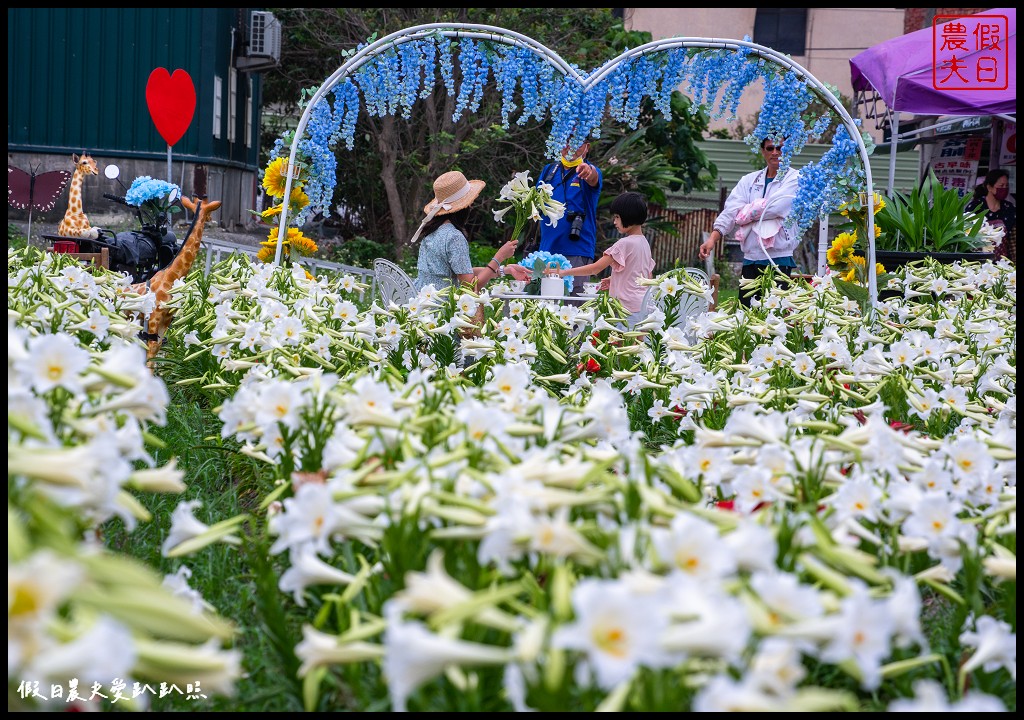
(265, 35)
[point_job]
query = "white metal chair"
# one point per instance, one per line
(690, 305)
(393, 284)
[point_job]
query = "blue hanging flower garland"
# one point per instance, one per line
(396, 77)
(820, 191)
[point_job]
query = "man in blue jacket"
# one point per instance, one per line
(576, 183)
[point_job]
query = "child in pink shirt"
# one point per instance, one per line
(629, 258)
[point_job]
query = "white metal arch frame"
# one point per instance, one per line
(509, 37)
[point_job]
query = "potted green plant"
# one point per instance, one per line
(931, 221)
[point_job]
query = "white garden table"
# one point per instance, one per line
(568, 299)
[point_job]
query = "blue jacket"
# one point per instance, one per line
(578, 197)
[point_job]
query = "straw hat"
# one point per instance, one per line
(452, 192)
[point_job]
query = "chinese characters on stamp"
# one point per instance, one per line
(970, 52)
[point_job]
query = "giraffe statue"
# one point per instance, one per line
(75, 223)
(160, 284)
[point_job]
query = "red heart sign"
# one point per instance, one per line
(172, 102)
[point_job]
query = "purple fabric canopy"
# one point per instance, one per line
(900, 71)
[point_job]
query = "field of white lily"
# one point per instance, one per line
(801, 506)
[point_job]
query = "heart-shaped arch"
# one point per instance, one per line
(585, 83)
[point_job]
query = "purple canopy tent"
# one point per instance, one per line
(899, 72)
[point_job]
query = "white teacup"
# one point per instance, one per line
(518, 286)
(590, 288)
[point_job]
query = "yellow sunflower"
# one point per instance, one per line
(299, 200)
(271, 212)
(275, 177)
(300, 243)
(845, 240)
(266, 254)
(271, 240)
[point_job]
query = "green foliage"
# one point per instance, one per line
(358, 251)
(676, 137)
(852, 290)
(15, 239)
(929, 219)
(480, 254)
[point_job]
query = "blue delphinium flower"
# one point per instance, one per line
(445, 47)
(411, 56)
(673, 75)
(507, 72)
(468, 64)
(819, 191)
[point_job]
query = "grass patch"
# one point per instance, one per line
(227, 483)
(727, 294)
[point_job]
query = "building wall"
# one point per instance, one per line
(920, 18)
(77, 80)
(834, 35)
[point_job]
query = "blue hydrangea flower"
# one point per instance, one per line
(547, 258)
(146, 189)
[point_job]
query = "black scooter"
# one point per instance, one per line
(140, 253)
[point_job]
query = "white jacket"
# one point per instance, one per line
(780, 196)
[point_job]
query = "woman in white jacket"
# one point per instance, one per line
(757, 209)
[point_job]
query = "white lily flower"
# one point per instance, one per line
(184, 525)
(413, 655)
(307, 569)
(104, 651)
(996, 646)
(931, 697)
(319, 649)
(616, 628)
(167, 478)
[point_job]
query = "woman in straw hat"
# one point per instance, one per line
(444, 249)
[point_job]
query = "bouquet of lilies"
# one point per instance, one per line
(991, 236)
(529, 201)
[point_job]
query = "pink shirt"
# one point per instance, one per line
(631, 259)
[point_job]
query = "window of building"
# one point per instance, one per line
(782, 29)
(248, 114)
(232, 104)
(218, 102)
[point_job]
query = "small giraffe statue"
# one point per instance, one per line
(160, 318)
(75, 223)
